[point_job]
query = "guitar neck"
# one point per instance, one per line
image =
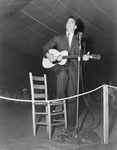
(70, 57)
(93, 56)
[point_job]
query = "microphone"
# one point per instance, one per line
(80, 35)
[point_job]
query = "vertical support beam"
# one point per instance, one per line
(105, 114)
(65, 113)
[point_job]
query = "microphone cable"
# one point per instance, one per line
(89, 110)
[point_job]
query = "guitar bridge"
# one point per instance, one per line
(55, 62)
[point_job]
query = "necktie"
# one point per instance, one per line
(69, 40)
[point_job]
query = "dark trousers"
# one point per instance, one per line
(65, 88)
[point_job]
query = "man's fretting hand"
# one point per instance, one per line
(86, 56)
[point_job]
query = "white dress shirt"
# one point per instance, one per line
(70, 36)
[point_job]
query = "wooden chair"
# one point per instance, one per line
(39, 95)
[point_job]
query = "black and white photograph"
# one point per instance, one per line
(58, 74)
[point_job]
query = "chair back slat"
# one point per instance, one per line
(38, 78)
(38, 87)
(40, 96)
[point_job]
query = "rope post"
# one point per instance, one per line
(105, 114)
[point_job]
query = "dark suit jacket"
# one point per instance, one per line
(60, 42)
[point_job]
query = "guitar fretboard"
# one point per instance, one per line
(76, 56)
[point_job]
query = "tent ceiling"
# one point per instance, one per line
(27, 25)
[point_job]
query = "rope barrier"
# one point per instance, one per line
(13, 99)
(55, 100)
(111, 86)
(79, 94)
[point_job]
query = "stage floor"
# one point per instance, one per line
(16, 132)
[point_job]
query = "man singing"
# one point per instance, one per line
(67, 75)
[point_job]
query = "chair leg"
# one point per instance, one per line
(33, 118)
(49, 121)
(56, 117)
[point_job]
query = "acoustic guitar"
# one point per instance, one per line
(61, 58)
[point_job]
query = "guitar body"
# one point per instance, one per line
(48, 64)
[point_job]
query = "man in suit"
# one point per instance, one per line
(66, 75)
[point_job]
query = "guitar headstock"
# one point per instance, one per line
(95, 56)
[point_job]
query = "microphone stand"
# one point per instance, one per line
(79, 60)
